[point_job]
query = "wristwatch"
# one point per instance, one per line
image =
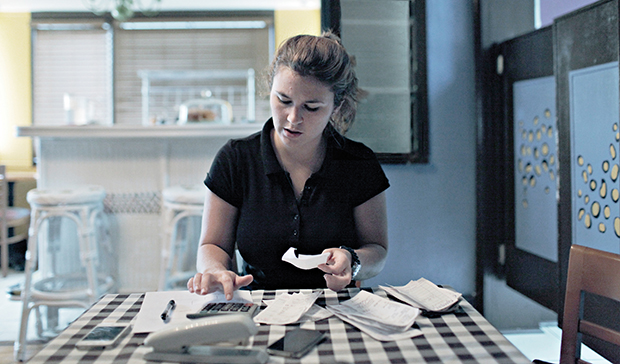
(356, 265)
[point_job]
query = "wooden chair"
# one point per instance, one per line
(594, 271)
(10, 217)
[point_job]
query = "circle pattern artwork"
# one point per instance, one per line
(536, 161)
(593, 195)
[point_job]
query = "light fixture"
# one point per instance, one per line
(122, 10)
(184, 25)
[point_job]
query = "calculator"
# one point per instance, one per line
(219, 308)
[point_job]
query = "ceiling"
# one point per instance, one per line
(167, 5)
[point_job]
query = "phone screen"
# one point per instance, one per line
(103, 336)
(296, 343)
(104, 333)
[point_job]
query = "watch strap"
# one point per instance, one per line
(356, 265)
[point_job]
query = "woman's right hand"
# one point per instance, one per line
(223, 280)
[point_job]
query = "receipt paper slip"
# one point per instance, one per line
(304, 261)
(424, 294)
(378, 333)
(314, 313)
(382, 319)
(287, 308)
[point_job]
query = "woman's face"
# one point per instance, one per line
(301, 108)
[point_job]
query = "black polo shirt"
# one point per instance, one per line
(247, 174)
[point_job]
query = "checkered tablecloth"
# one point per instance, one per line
(463, 337)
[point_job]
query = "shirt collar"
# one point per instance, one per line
(268, 154)
(335, 142)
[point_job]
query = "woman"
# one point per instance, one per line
(298, 183)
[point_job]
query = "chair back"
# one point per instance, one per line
(4, 202)
(594, 271)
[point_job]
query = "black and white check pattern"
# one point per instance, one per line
(464, 337)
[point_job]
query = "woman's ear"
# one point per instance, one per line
(337, 109)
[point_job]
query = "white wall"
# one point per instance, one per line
(551, 9)
(432, 207)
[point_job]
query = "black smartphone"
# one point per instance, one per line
(296, 343)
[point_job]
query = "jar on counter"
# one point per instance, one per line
(206, 110)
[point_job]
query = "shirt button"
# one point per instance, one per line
(295, 232)
(296, 217)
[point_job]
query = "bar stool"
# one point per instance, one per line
(182, 211)
(69, 255)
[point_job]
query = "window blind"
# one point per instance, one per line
(97, 65)
(183, 50)
(71, 70)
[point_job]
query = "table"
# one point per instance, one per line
(464, 337)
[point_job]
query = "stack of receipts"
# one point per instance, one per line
(424, 294)
(382, 319)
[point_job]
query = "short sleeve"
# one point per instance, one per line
(374, 181)
(223, 178)
(354, 172)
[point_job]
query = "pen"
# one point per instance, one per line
(168, 311)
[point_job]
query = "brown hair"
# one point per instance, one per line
(324, 58)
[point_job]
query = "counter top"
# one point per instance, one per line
(15, 176)
(139, 131)
(133, 163)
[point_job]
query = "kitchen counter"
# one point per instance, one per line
(133, 164)
(138, 131)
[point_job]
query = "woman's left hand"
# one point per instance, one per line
(337, 269)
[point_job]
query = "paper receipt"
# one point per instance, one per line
(287, 308)
(304, 261)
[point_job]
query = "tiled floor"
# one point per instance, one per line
(11, 317)
(543, 344)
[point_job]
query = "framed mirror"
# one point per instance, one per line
(388, 41)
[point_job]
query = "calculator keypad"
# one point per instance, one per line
(218, 308)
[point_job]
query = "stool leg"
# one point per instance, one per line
(86, 244)
(167, 246)
(5, 252)
(103, 249)
(53, 232)
(178, 239)
(192, 234)
(184, 235)
(39, 320)
(4, 238)
(19, 348)
(51, 315)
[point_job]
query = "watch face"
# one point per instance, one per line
(355, 269)
(355, 264)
